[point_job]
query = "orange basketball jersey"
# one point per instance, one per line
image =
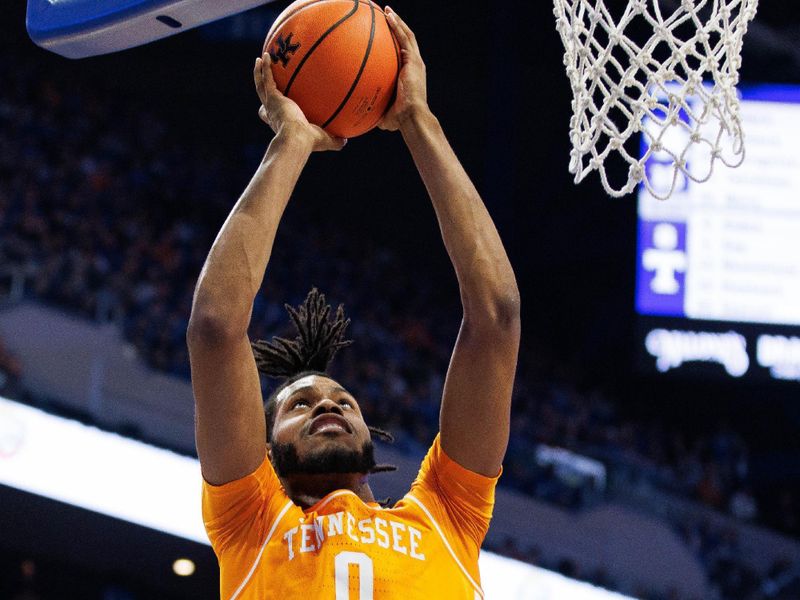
(342, 548)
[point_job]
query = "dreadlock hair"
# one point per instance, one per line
(310, 353)
(319, 338)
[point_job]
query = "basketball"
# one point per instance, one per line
(338, 60)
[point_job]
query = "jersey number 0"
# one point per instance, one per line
(342, 564)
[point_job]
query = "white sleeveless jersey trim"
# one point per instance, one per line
(261, 551)
(343, 493)
(478, 590)
(332, 496)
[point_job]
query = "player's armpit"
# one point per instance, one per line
(229, 422)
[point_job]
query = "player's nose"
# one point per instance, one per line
(326, 405)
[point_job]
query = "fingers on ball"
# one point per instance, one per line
(401, 27)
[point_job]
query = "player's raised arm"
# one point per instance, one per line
(230, 428)
(476, 403)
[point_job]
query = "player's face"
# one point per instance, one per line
(318, 418)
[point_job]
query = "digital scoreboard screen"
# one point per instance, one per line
(718, 263)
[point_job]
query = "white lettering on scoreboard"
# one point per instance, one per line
(779, 354)
(672, 348)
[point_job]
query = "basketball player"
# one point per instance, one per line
(286, 499)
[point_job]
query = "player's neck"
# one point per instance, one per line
(306, 490)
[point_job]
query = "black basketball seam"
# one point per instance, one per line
(277, 24)
(360, 70)
(316, 44)
(396, 47)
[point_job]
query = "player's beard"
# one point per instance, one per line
(286, 460)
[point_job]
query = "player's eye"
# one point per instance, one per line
(300, 403)
(345, 403)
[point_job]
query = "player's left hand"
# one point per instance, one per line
(412, 95)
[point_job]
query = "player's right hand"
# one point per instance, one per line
(411, 96)
(284, 116)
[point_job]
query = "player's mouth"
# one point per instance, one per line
(329, 423)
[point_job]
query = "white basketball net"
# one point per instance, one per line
(655, 87)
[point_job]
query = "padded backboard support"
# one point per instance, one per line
(81, 28)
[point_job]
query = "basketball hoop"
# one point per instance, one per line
(672, 78)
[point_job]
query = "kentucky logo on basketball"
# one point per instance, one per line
(285, 47)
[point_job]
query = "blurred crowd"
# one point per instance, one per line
(23, 578)
(93, 208)
(731, 578)
(10, 371)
